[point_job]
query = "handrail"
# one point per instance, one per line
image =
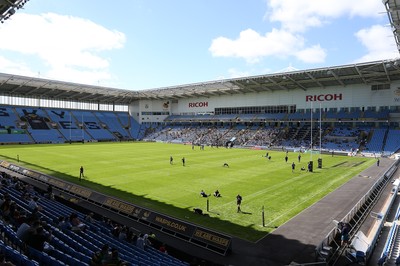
(382, 220)
(390, 238)
(330, 237)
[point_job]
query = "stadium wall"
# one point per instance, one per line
(337, 97)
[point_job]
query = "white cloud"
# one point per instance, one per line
(17, 68)
(384, 48)
(295, 18)
(95, 76)
(300, 15)
(69, 47)
(314, 54)
(235, 73)
(252, 46)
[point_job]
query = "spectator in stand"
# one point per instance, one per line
(63, 224)
(134, 239)
(107, 223)
(18, 185)
(17, 218)
(35, 215)
(13, 209)
(147, 242)
(163, 248)
(129, 236)
(89, 218)
(23, 229)
(116, 230)
(76, 223)
(49, 192)
(123, 234)
(33, 204)
(152, 235)
(114, 259)
(140, 242)
(29, 188)
(39, 239)
(100, 256)
(26, 196)
(5, 207)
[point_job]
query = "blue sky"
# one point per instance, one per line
(144, 44)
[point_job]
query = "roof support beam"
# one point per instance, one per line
(314, 79)
(277, 84)
(295, 82)
(336, 77)
(361, 75)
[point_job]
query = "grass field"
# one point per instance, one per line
(141, 173)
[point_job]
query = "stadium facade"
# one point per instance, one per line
(373, 86)
(362, 99)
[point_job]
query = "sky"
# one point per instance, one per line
(148, 44)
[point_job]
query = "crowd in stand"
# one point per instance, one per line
(342, 139)
(35, 230)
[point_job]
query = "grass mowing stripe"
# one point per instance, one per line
(141, 173)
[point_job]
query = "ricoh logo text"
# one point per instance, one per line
(324, 97)
(198, 104)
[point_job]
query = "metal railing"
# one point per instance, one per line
(329, 250)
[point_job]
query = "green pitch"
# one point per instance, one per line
(142, 174)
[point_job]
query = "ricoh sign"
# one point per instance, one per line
(324, 97)
(198, 104)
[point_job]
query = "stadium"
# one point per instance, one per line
(313, 155)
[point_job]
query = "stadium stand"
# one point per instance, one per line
(46, 125)
(92, 126)
(65, 245)
(381, 114)
(69, 126)
(38, 125)
(375, 145)
(11, 130)
(111, 121)
(392, 143)
(129, 123)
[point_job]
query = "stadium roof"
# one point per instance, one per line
(21, 86)
(371, 73)
(393, 11)
(8, 7)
